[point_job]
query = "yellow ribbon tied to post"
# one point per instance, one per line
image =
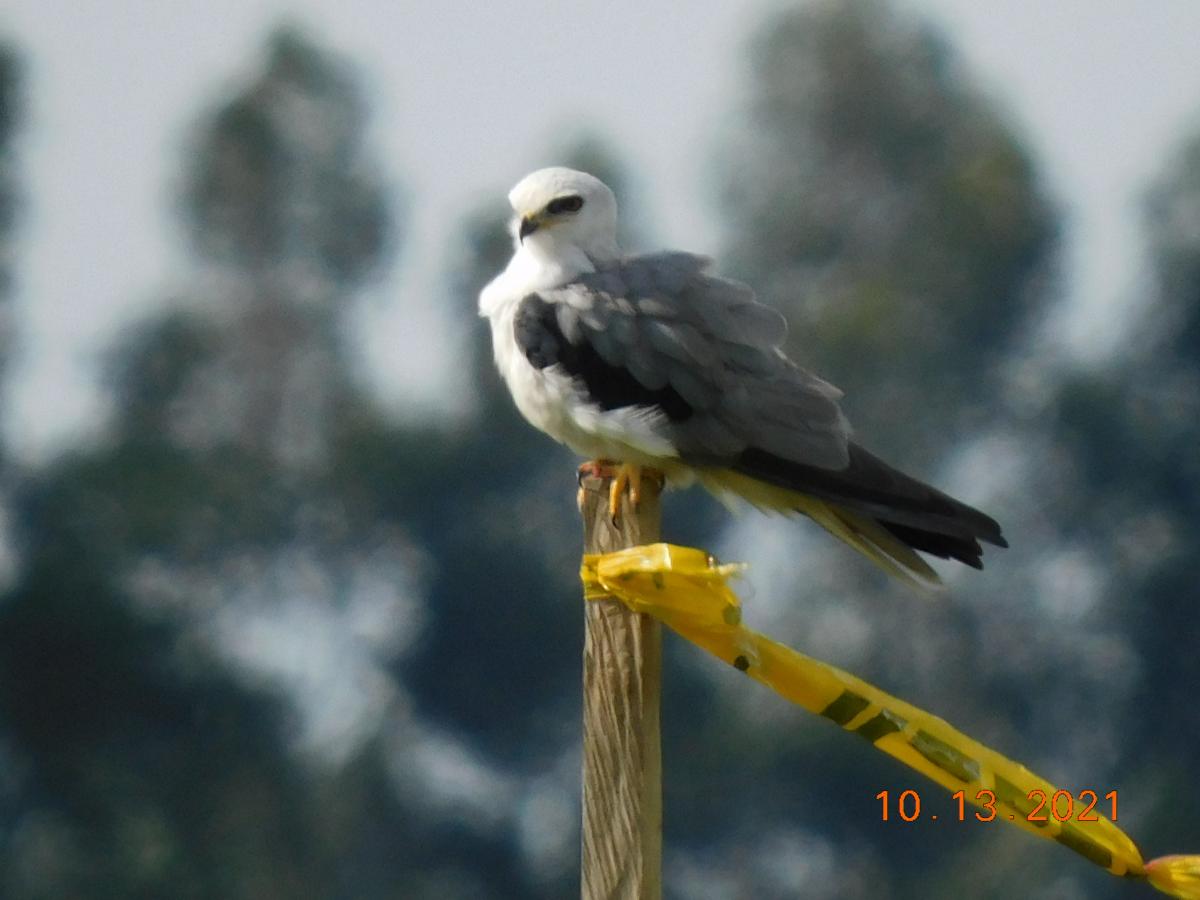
(688, 591)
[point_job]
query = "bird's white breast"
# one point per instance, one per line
(548, 398)
(543, 396)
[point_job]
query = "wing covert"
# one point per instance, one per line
(657, 331)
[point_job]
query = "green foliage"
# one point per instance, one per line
(1173, 219)
(279, 177)
(148, 765)
(143, 771)
(886, 207)
(11, 115)
(1130, 430)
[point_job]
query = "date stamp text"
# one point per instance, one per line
(1039, 807)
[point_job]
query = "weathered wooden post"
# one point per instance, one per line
(622, 685)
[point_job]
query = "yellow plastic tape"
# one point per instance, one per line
(688, 591)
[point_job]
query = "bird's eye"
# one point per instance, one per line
(564, 205)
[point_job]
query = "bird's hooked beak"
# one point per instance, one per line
(529, 224)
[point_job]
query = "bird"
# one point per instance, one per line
(652, 365)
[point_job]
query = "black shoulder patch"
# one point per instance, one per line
(536, 329)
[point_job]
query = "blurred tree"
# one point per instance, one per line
(291, 216)
(146, 750)
(886, 207)
(1129, 488)
(280, 186)
(10, 116)
(10, 103)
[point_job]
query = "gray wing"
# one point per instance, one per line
(659, 331)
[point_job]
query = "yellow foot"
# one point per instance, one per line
(626, 478)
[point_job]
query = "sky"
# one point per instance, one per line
(467, 98)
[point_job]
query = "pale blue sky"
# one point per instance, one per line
(468, 97)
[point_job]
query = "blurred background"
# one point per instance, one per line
(288, 596)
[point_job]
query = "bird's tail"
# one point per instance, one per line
(876, 509)
(862, 533)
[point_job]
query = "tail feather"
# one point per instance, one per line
(861, 533)
(882, 539)
(870, 486)
(879, 511)
(943, 546)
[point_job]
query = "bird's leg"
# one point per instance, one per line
(626, 477)
(597, 468)
(629, 475)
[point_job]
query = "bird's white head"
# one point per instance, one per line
(562, 213)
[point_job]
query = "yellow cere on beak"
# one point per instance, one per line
(529, 224)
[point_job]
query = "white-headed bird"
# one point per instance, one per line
(653, 362)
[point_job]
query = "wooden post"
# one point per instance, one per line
(622, 684)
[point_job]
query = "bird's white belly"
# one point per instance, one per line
(553, 402)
